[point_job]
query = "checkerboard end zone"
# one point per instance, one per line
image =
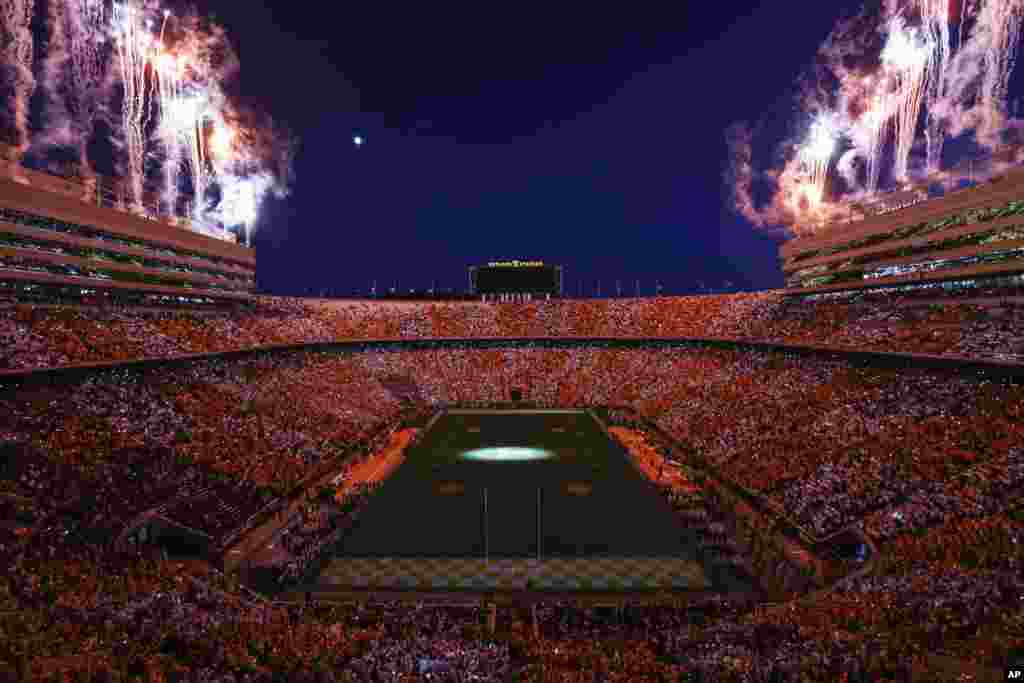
(596, 574)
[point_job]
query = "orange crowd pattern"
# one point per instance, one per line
(379, 466)
(651, 463)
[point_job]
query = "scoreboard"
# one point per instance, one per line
(516, 277)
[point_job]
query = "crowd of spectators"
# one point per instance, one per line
(974, 324)
(928, 464)
(36, 336)
(307, 543)
(727, 532)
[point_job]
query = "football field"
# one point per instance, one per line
(493, 500)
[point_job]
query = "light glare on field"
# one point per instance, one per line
(506, 454)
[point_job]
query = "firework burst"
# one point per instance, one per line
(166, 71)
(900, 74)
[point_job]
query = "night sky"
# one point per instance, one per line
(586, 137)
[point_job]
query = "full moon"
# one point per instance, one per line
(357, 141)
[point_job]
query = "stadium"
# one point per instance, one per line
(203, 482)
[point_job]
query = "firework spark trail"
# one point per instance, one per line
(1004, 20)
(196, 106)
(172, 131)
(197, 162)
(163, 27)
(85, 24)
(935, 15)
(963, 20)
(908, 56)
(74, 79)
(817, 155)
(878, 123)
(149, 85)
(181, 130)
(17, 54)
(172, 175)
(906, 122)
(61, 101)
(132, 46)
(197, 148)
(870, 133)
(185, 113)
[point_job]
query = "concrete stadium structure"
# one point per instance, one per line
(56, 245)
(968, 238)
